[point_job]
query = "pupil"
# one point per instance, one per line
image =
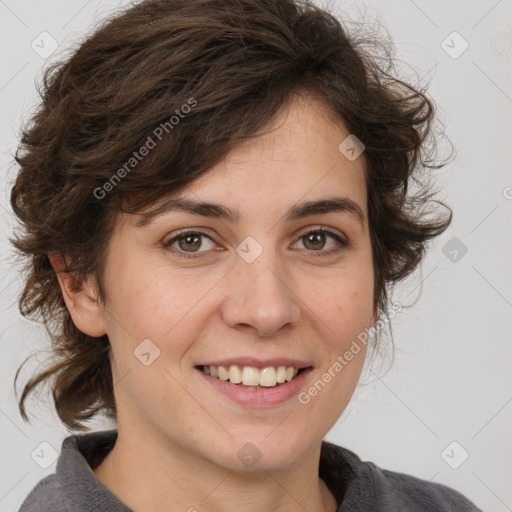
(316, 236)
(187, 239)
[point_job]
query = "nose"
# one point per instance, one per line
(260, 297)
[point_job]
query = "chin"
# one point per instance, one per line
(256, 450)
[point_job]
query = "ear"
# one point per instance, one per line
(80, 296)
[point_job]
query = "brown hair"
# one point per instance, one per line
(225, 68)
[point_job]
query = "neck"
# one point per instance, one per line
(146, 476)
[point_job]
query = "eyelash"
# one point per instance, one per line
(332, 234)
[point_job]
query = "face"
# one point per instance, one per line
(279, 285)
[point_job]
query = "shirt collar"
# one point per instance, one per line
(339, 468)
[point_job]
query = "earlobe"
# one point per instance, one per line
(81, 298)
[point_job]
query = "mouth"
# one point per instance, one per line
(253, 377)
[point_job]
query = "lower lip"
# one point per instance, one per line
(258, 397)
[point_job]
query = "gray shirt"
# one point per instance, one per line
(357, 486)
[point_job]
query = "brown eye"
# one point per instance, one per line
(187, 244)
(317, 241)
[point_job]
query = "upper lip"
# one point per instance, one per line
(258, 363)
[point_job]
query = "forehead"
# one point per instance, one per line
(305, 134)
(290, 167)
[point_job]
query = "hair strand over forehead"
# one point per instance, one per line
(223, 69)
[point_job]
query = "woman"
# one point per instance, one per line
(214, 199)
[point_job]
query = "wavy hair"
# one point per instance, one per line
(239, 63)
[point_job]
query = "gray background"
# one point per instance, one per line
(451, 378)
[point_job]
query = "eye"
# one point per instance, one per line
(188, 242)
(315, 240)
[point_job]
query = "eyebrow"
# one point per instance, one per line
(218, 211)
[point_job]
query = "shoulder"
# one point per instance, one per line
(412, 493)
(73, 487)
(44, 497)
(362, 486)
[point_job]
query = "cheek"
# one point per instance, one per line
(344, 305)
(150, 302)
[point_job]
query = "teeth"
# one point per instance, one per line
(235, 374)
(268, 377)
(281, 374)
(250, 376)
(223, 373)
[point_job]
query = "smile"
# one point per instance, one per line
(249, 376)
(267, 387)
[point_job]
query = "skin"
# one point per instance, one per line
(178, 437)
